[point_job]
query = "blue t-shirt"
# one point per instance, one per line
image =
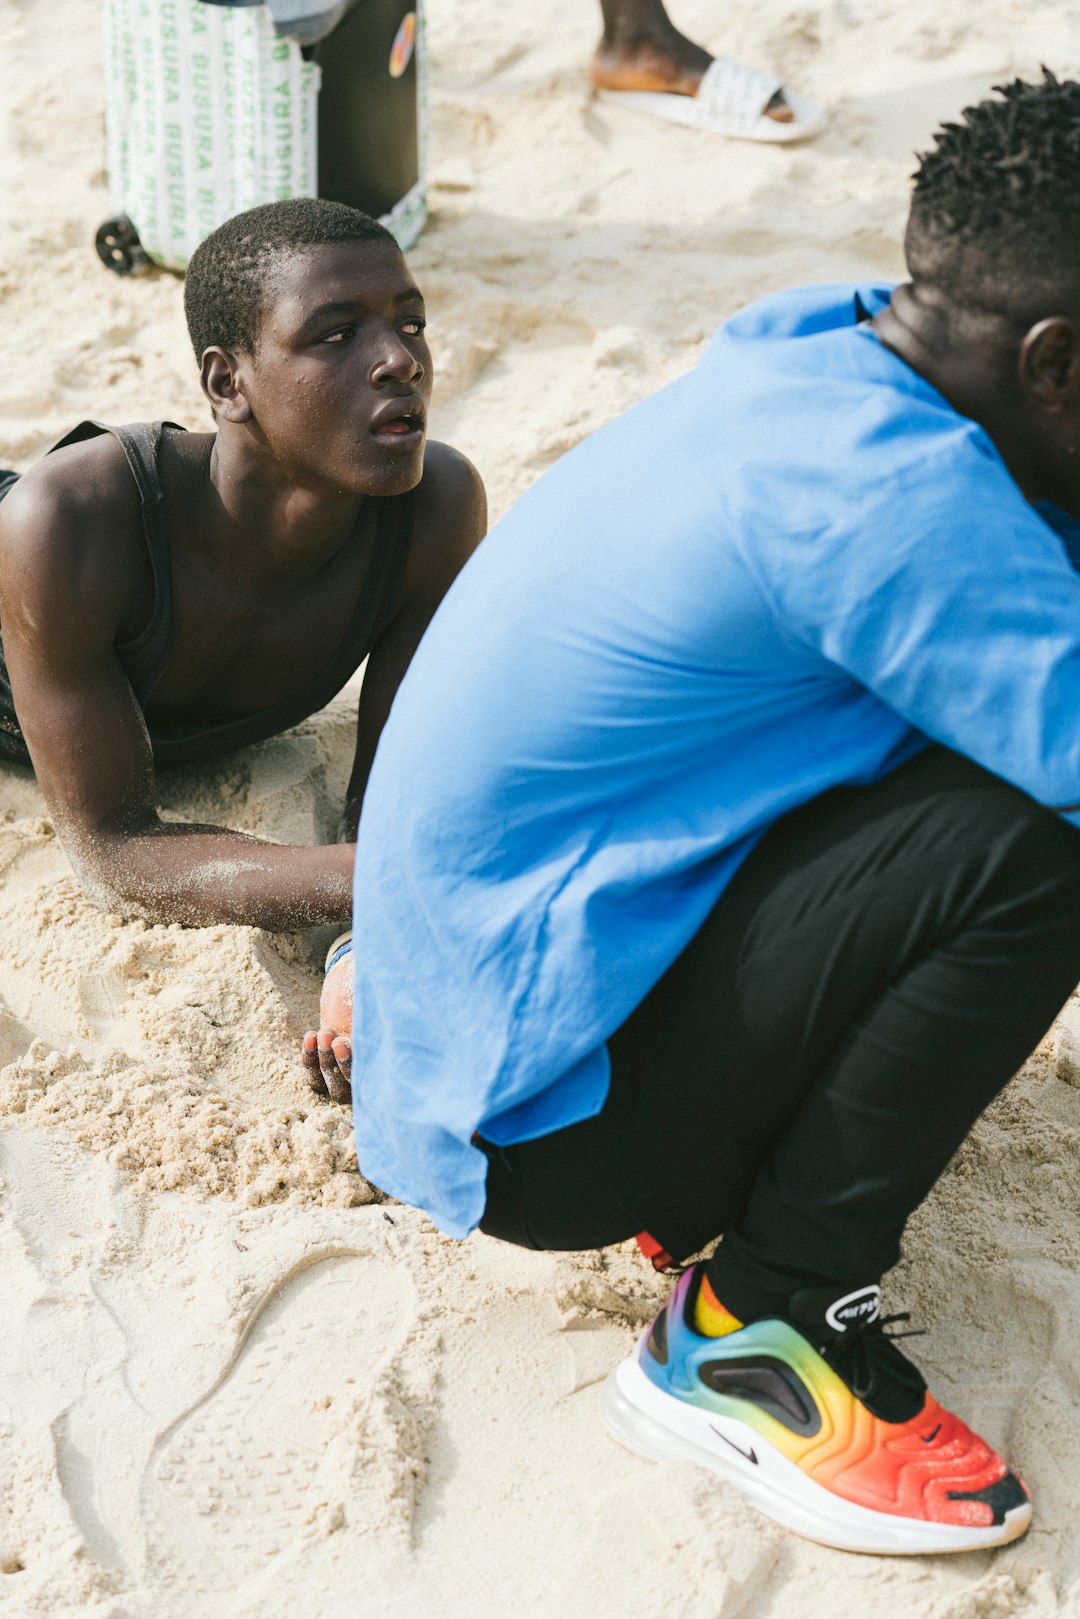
(783, 572)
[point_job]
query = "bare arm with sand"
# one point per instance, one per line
(65, 601)
(91, 751)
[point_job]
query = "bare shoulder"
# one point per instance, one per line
(71, 535)
(451, 513)
(446, 470)
(58, 510)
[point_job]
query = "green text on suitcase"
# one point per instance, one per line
(209, 111)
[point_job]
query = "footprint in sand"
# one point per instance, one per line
(271, 1446)
(108, 1011)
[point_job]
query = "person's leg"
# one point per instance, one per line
(641, 49)
(876, 971)
(927, 999)
(881, 965)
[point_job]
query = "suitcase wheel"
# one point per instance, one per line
(119, 248)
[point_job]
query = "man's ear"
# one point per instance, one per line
(1049, 362)
(223, 386)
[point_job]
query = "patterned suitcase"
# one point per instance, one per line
(210, 110)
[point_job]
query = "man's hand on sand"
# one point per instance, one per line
(327, 1057)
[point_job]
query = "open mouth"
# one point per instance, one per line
(405, 427)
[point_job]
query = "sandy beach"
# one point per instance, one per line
(233, 1381)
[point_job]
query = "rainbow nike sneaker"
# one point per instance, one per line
(842, 1442)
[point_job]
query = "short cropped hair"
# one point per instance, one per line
(995, 216)
(232, 271)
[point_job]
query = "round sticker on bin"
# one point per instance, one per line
(404, 44)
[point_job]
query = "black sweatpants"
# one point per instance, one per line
(878, 968)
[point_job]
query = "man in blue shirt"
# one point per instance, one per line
(719, 861)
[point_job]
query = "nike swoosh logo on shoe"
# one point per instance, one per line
(928, 1438)
(748, 1455)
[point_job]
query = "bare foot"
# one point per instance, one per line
(327, 1059)
(641, 49)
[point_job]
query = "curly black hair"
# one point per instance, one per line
(995, 215)
(231, 272)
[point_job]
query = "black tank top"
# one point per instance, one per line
(145, 656)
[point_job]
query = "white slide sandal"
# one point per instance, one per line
(731, 100)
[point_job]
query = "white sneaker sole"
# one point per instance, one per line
(662, 1428)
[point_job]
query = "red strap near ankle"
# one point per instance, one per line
(649, 1246)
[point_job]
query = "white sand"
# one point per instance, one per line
(230, 1384)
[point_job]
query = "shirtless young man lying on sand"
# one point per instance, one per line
(737, 869)
(167, 596)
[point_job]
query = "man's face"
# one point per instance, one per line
(340, 381)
